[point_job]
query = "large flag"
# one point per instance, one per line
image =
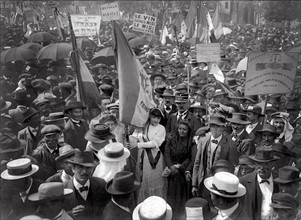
(59, 23)
(216, 71)
(217, 24)
(190, 19)
(202, 30)
(164, 34)
(135, 89)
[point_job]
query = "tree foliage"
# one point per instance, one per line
(278, 11)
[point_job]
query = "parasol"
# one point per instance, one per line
(41, 37)
(17, 54)
(55, 51)
(105, 56)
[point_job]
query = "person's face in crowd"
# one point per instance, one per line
(182, 106)
(115, 112)
(237, 128)
(168, 100)
(82, 173)
(287, 214)
(51, 140)
(268, 138)
(158, 80)
(198, 112)
(252, 117)
(67, 167)
(247, 103)
(102, 71)
(104, 103)
(216, 130)
(151, 60)
(210, 93)
(94, 112)
(77, 113)
(264, 169)
(279, 123)
(35, 121)
(183, 130)
(245, 169)
(154, 121)
(111, 125)
(291, 188)
(218, 98)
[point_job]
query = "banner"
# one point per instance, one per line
(110, 11)
(85, 25)
(208, 52)
(270, 73)
(144, 23)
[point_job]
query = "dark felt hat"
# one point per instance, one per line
(288, 174)
(83, 158)
(9, 143)
(158, 75)
(74, 104)
(29, 113)
(40, 84)
(263, 155)
(168, 93)
(238, 118)
(50, 129)
(217, 120)
(284, 201)
(99, 133)
(181, 98)
(65, 151)
(268, 128)
(255, 109)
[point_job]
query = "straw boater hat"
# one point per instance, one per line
(113, 152)
(54, 117)
(50, 191)
(225, 184)
(18, 169)
(152, 208)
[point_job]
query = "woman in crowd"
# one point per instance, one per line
(116, 128)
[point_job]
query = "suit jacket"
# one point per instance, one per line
(112, 212)
(75, 135)
(167, 115)
(239, 214)
(26, 137)
(96, 200)
(245, 145)
(55, 178)
(226, 150)
(252, 201)
(191, 118)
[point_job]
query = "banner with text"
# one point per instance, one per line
(85, 25)
(144, 23)
(270, 73)
(208, 52)
(110, 11)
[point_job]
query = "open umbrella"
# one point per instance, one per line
(138, 41)
(129, 35)
(55, 51)
(41, 37)
(83, 43)
(16, 53)
(33, 46)
(105, 56)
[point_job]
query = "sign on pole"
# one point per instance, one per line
(144, 23)
(208, 52)
(110, 11)
(85, 25)
(270, 73)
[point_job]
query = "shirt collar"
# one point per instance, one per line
(77, 185)
(74, 121)
(228, 212)
(50, 150)
(183, 113)
(59, 215)
(259, 179)
(122, 207)
(218, 139)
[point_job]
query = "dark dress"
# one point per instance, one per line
(178, 151)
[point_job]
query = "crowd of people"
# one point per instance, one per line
(206, 151)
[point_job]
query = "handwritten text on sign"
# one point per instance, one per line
(85, 25)
(144, 23)
(270, 73)
(208, 52)
(110, 11)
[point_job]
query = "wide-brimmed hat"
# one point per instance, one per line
(9, 142)
(181, 98)
(50, 191)
(281, 148)
(4, 104)
(168, 93)
(18, 169)
(83, 158)
(255, 109)
(245, 160)
(65, 151)
(99, 133)
(73, 105)
(263, 155)
(222, 165)
(113, 152)
(268, 128)
(55, 116)
(238, 118)
(30, 112)
(50, 129)
(217, 120)
(284, 201)
(153, 207)
(122, 183)
(225, 184)
(158, 75)
(219, 92)
(181, 86)
(284, 115)
(288, 174)
(198, 208)
(40, 84)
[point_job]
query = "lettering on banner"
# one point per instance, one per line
(144, 23)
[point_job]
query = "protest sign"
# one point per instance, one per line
(270, 73)
(85, 25)
(144, 23)
(110, 11)
(208, 52)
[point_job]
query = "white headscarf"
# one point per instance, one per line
(288, 129)
(107, 170)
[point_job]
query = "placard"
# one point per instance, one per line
(270, 73)
(85, 25)
(208, 52)
(110, 11)
(144, 23)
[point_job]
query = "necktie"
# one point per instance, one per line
(55, 152)
(265, 181)
(83, 188)
(214, 141)
(168, 108)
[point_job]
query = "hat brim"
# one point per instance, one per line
(216, 123)
(102, 156)
(253, 157)
(54, 120)
(241, 122)
(278, 206)
(96, 140)
(168, 215)
(155, 75)
(240, 192)
(5, 175)
(64, 156)
(280, 181)
(273, 132)
(111, 190)
(31, 115)
(69, 108)
(261, 115)
(35, 196)
(84, 164)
